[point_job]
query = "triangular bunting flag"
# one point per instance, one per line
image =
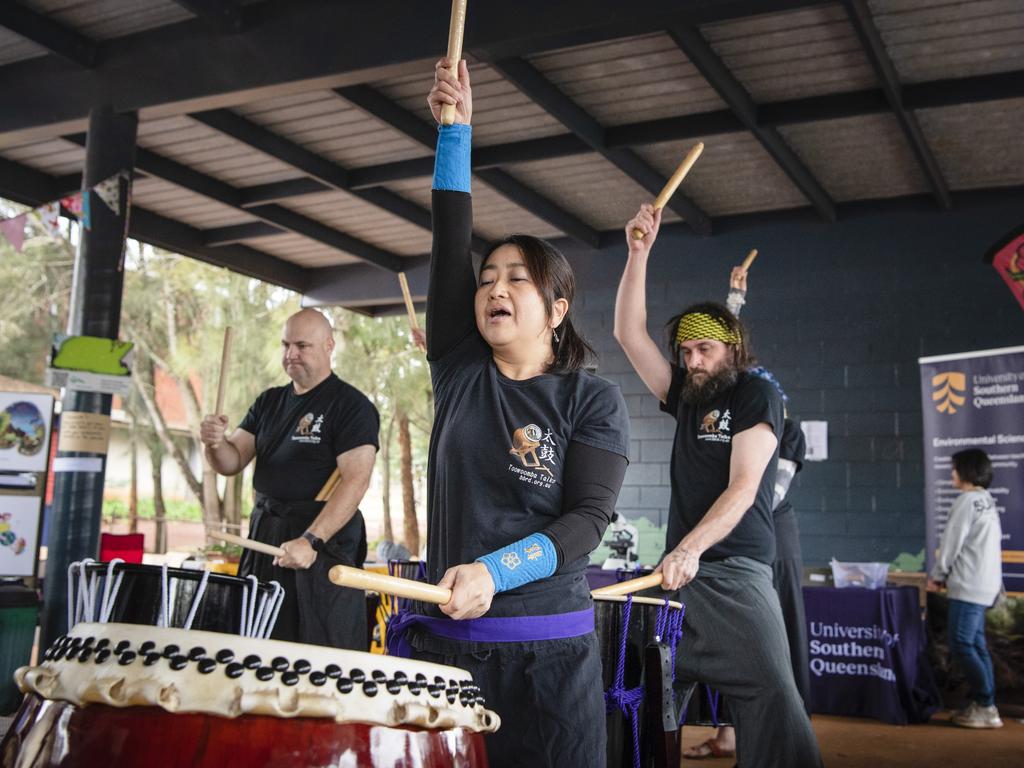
(109, 191)
(73, 203)
(50, 214)
(14, 231)
(86, 217)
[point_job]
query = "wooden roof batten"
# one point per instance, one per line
(51, 35)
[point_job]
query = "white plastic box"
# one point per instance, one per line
(870, 575)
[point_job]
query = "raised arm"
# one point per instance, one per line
(737, 290)
(631, 307)
(452, 282)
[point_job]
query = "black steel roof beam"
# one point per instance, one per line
(831, 106)
(225, 15)
(50, 34)
(540, 90)
(28, 186)
(207, 186)
(235, 233)
(321, 169)
(408, 124)
(701, 55)
(874, 48)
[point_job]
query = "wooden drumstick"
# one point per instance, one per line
(749, 260)
(673, 183)
(357, 578)
(329, 485)
(455, 30)
(409, 306)
(630, 586)
(222, 380)
(255, 546)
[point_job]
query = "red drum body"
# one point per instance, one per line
(152, 697)
(48, 734)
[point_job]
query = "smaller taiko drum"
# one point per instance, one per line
(129, 695)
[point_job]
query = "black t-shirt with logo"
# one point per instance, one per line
(498, 445)
(299, 437)
(700, 464)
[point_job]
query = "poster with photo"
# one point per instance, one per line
(19, 532)
(24, 431)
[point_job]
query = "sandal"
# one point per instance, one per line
(708, 749)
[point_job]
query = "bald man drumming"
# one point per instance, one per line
(298, 434)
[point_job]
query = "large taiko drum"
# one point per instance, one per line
(638, 638)
(160, 596)
(128, 695)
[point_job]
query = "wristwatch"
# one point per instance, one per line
(314, 541)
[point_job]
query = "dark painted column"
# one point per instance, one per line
(74, 529)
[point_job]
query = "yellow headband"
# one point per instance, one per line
(700, 325)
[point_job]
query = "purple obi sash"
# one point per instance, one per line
(489, 629)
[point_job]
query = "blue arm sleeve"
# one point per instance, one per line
(529, 559)
(452, 161)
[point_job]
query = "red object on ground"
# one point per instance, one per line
(127, 546)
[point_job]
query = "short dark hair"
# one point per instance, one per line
(973, 466)
(554, 278)
(743, 355)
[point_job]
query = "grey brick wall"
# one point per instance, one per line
(840, 313)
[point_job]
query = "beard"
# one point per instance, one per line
(710, 386)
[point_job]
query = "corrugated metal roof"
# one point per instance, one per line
(106, 19)
(934, 39)
(788, 55)
(858, 158)
(173, 202)
(626, 81)
(972, 158)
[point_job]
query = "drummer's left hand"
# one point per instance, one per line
(472, 591)
(298, 553)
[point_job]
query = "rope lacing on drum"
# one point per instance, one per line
(82, 601)
(668, 628)
(259, 622)
(197, 599)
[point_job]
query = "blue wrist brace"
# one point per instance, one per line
(452, 170)
(520, 563)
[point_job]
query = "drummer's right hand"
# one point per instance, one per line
(679, 568)
(451, 90)
(472, 591)
(212, 429)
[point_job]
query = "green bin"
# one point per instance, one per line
(19, 612)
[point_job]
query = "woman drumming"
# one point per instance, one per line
(527, 455)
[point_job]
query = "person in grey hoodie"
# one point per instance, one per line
(968, 565)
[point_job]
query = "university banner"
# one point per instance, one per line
(976, 400)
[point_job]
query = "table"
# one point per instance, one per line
(868, 654)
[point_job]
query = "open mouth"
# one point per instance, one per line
(496, 312)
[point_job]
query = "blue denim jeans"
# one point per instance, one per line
(967, 644)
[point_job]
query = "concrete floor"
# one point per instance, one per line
(848, 742)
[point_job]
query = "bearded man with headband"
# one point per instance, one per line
(720, 542)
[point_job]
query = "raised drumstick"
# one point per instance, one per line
(630, 586)
(255, 546)
(409, 306)
(357, 578)
(455, 29)
(222, 379)
(749, 260)
(673, 183)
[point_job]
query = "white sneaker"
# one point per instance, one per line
(976, 716)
